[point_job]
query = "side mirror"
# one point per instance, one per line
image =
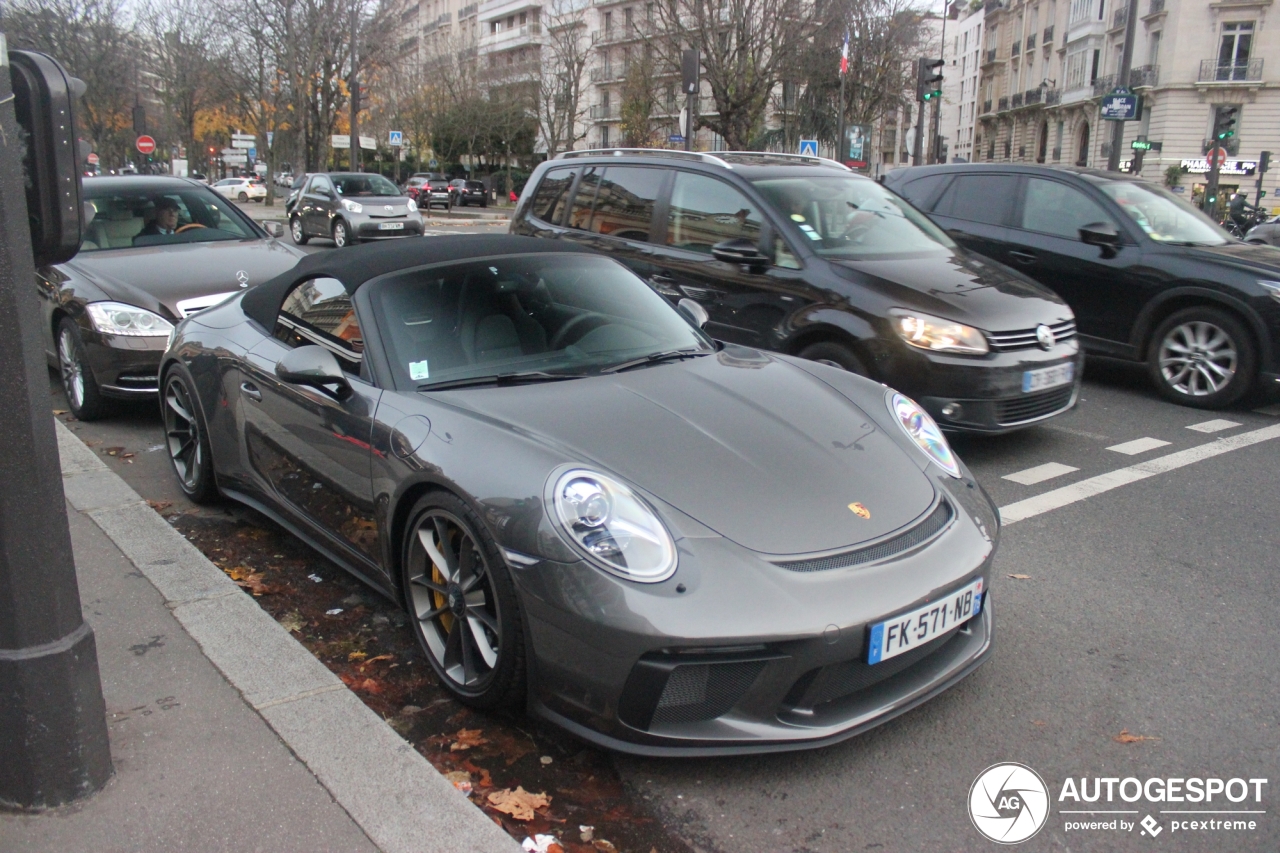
(315, 367)
(693, 312)
(1101, 234)
(739, 251)
(275, 229)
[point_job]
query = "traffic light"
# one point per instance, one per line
(1224, 123)
(1264, 161)
(928, 79)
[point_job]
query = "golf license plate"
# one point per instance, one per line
(911, 630)
(1048, 377)
(390, 226)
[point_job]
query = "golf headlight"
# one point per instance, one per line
(921, 429)
(936, 334)
(116, 318)
(411, 205)
(352, 206)
(613, 528)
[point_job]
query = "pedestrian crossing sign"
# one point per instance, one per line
(397, 138)
(808, 148)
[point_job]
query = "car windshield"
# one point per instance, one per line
(351, 186)
(1165, 217)
(850, 217)
(553, 315)
(124, 217)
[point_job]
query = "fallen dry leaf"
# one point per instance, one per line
(1125, 737)
(357, 656)
(292, 621)
(255, 584)
(520, 804)
(113, 451)
(467, 738)
(159, 506)
(1021, 577)
(1039, 723)
(378, 658)
(365, 685)
(59, 411)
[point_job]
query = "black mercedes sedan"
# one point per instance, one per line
(665, 545)
(155, 250)
(801, 256)
(1150, 278)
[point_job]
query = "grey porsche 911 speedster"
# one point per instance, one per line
(665, 545)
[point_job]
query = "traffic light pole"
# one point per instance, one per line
(1126, 62)
(355, 92)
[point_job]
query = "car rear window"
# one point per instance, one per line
(548, 202)
(979, 198)
(624, 203)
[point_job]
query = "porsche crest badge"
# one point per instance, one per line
(859, 510)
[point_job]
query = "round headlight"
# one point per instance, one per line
(917, 424)
(613, 528)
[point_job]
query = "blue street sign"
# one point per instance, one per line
(432, 163)
(270, 138)
(252, 154)
(809, 147)
(1120, 105)
(675, 137)
(397, 139)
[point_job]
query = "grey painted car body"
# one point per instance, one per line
(750, 459)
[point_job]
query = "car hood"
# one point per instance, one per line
(1248, 255)
(960, 286)
(758, 451)
(161, 276)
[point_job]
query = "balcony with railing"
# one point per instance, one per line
(1031, 42)
(1015, 48)
(1052, 97)
(614, 35)
(1002, 104)
(608, 73)
(1015, 100)
(1033, 96)
(992, 6)
(1156, 7)
(986, 107)
(468, 11)
(1120, 18)
(990, 56)
(1213, 71)
(1103, 85)
(509, 37)
(1144, 76)
(1047, 36)
(604, 112)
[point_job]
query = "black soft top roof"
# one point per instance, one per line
(359, 264)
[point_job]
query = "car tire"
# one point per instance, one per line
(1202, 357)
(342, 235)
(84, 398)
(833, 354)
(295, 230)
(187, 437)
(469, 625)
(484, 202)
(242, 198)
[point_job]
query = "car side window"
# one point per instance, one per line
(319, 311)
(548, 202)
(584, 200)
(922, 191)
(625, 201)
(705, 211)
(979, 198)
(1052, 207)
(318, 184)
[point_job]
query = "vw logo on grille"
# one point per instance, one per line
(242, 277)
(1044, 336)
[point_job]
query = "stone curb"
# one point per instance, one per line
(394, 794)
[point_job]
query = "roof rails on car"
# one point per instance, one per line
(719, 158)
(785, 158)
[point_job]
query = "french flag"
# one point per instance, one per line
(844, 55)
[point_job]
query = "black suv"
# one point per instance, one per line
(468, 192)
(1150, 278)
(800, 255)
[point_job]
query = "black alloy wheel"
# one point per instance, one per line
(295, 229)
(342, 234)
(466, 614)
(187, 439)
(1202, 357)
(83, 396)
(833, 354)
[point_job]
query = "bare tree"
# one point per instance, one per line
(561, 105)
(639, 102)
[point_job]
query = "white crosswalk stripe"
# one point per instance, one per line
(1138, 445)
(1040, 473)
(1217, 425)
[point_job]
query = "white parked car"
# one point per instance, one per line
(241, 189)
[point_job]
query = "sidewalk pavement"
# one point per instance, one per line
(227, 735)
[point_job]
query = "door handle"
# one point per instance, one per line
(1023, 257)
(251, 391)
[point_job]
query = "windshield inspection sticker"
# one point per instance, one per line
(418, 370)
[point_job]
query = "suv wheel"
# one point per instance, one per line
(834, 355)
(342, 235)
(295, 228)
(1202, 357)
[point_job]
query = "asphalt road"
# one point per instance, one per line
(1148, 607)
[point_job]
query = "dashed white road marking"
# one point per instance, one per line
(1138, 445)
(1039, 474)
(1066, 495)
(1273, 409)
(1213, 426)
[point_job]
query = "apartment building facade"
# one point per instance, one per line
(960, 83)
(1047, 64)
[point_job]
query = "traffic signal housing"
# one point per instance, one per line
(1224, 125)
(928, 79)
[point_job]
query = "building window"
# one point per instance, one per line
(1233, 51)
(1153, 48)
(1076, 69)
(1093, 74)
(604, 136)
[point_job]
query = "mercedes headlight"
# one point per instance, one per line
(354, 207)
(921, 429)
(613, 528)
(116, 318)
(936, 334)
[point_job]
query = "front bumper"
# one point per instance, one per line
(366, 227)
(125, 366)
(749, 656)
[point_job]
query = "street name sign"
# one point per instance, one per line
(368, 143)
(675, 137)
(340, 140)
(243, 143)
(1120, 105)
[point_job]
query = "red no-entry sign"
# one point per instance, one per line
(92, 159)
(1219, 154)
(145, 144)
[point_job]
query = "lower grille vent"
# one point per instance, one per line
(704, 691)
(1032, 406)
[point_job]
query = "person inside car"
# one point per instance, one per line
(165, 221)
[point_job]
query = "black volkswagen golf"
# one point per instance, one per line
(801, 256)
(1150, 278)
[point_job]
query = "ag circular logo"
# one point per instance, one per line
(1008, 803)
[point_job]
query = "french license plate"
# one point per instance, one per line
(908, 631)
(1048, 377)
(390, 226)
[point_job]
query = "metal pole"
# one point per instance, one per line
(690, 106)
(53, 729)
(355, 91)
(916, 148)
(935, 149)
(1126, 62)
(841, 151)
